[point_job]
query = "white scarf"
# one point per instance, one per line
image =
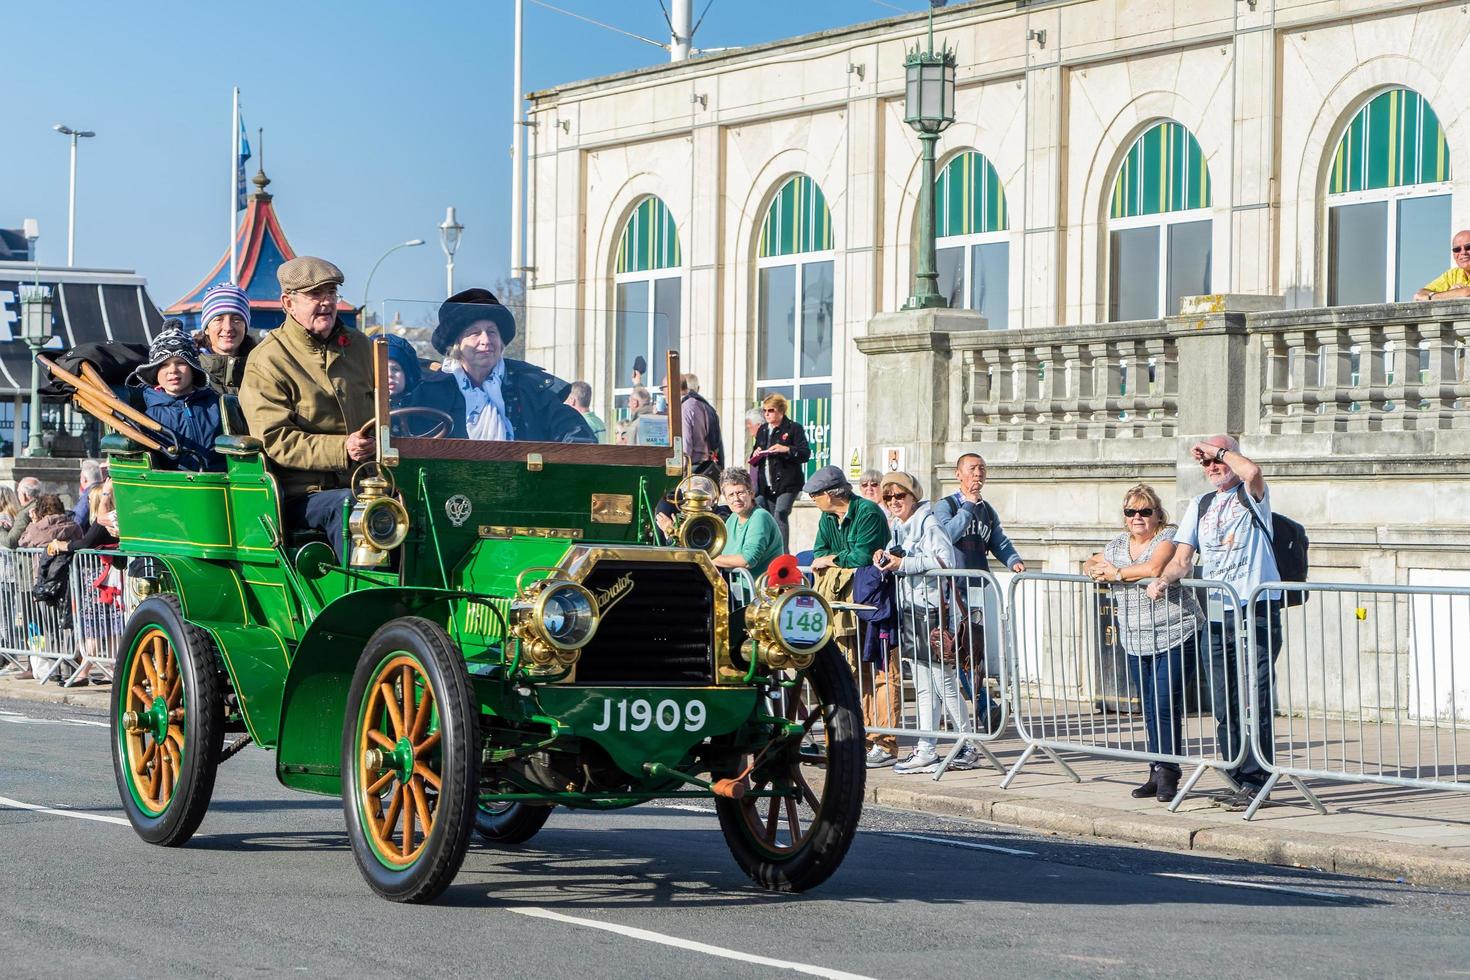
(484, 405)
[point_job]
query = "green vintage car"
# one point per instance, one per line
(508, 636)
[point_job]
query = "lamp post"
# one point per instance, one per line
(366, 289)
(449, 231)
(71, 220)
(35, 329)
(929, 109)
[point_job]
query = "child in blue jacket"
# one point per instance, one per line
(176, 393)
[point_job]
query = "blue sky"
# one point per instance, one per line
(377, 115)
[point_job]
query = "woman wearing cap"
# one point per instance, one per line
(491, 396)
(225, 341)
(917, 548)
(176, 393)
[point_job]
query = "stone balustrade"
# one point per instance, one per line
(1393, 368)
(1115, 380)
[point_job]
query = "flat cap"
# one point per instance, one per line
(826, 478)
(305, 273)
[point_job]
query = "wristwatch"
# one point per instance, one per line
(1220, 456)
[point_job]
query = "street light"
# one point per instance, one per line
(929, 109)
(368, 287)
(449, 232)
(71, 220)
(35, 329)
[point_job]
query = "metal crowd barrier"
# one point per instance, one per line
(1076, 688)
(939, 674)
(1371, 685)
(67, 640)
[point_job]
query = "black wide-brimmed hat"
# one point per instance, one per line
(465, 309)
(172, 341)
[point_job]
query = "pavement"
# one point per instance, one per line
(1407, 835)
(269, 886)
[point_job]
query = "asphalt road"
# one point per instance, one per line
(269, 885)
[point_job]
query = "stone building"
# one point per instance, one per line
(1298, 164)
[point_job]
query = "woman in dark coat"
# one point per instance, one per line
(488, 395)
(780, 451)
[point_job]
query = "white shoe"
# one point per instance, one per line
(916, 762)
(878, 757)
(968, 758)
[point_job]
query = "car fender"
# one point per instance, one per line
(314, 700)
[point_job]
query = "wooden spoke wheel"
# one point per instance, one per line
(510, 823)
(795, 840)
(410, 760)
(167, 720)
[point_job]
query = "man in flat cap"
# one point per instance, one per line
(491, 396)
(307, 393)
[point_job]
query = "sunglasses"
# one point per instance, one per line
(1138, 512)
(896, 495)
(1457, 249)
(866, 485)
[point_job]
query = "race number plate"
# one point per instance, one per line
(803, 622)
(641, 714)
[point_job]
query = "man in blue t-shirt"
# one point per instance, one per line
(1235, 549)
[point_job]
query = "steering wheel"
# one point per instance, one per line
(443, 421)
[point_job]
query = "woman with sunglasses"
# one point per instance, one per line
(779, 459)
(1157, 635)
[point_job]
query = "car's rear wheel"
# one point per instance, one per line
(794, 842)
(167, 722)
(510, 823)
(410, 761)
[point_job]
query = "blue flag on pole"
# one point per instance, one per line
(240, 168)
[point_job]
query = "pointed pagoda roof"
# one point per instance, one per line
(263, 248)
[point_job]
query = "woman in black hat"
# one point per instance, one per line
(491, 396)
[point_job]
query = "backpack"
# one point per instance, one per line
(1288, 539)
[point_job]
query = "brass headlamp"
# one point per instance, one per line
(788, 624)
(699, 526)
(378, 523)
(553, 619)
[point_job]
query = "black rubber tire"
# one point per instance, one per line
(518, 823)
(841, 801)
(203, 698)
(443, 851)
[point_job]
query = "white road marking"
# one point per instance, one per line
(1262, 886)
(961, 843)
(707, 810)
(19, 719)
(5, 801)
(657, 937)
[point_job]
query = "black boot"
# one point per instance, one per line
(1149, 788)
(1168, 780)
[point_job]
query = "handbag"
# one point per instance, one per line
(945, 644)
(49, 590)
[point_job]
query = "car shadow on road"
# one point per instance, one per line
(635, 868)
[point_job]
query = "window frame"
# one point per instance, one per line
(1161, 222)
(796, 381)
(1389, 196)
(969, 243)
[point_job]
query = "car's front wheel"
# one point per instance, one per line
(410, 761)
(795, 840)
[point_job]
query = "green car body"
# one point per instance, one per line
(671, 683)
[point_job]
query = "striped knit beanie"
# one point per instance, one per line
(224, 298)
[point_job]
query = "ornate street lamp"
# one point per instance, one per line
(929, 109)
(35, 329)
(449, 231)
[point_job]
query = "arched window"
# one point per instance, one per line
(794, 263)
(1159, 227)
(1388, 202)
(974, 251)
(649, 279)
